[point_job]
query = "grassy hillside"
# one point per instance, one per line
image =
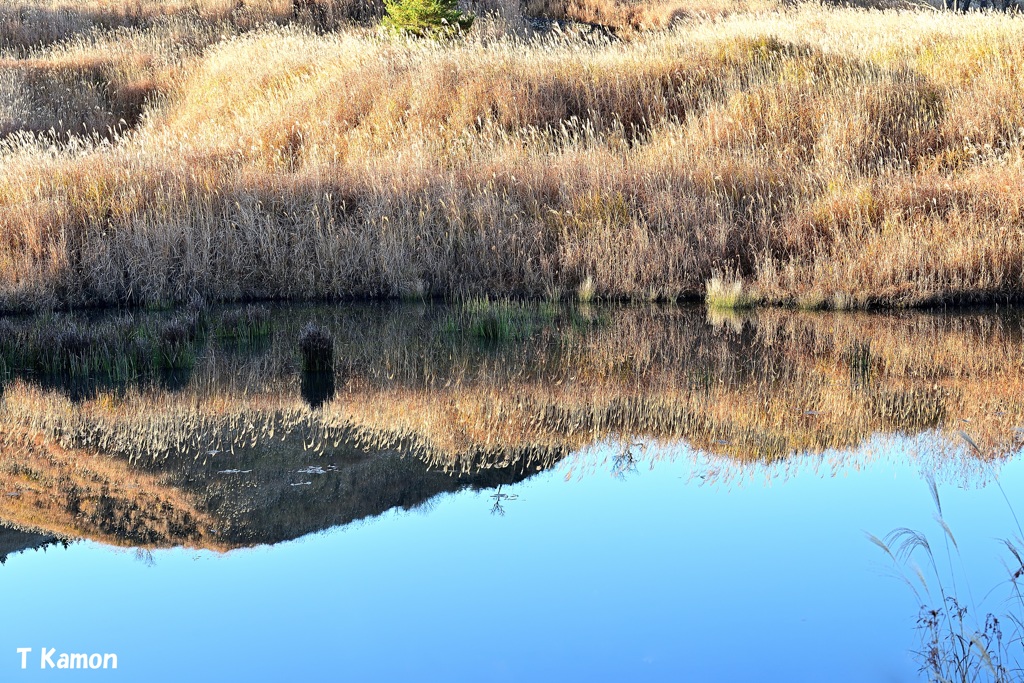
(822, 157)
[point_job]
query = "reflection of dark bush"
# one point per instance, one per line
(131, 518)
(316, 344)
(317, 388)
(174, 381)
(76, 389)
(362, 487)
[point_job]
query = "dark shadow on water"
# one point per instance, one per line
(78, 389)
(174, 381)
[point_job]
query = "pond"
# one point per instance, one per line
(501, 491)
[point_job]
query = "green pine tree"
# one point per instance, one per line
(426, 18)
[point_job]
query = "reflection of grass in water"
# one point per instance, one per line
(244, 325)
(507, 320)
(858, 356)
(73, 495)
(195, 502)
(498, 320)
(776, 385)
(117, 349)
(958, 645)
(125, 347)
(915, 408)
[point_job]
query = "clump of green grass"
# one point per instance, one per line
(244, 325)
(70, 348)
(731, 295)
(507, 320)
(76, 350)
(118, 349)
(316, 346)
(174, 343)
(501, 320)
(586, 291)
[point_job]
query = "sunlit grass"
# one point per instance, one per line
(826, 158)
(721, 294)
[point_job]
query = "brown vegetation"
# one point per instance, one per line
(823, 157)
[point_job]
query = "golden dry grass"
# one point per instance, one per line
(26, 25)
(824, 157)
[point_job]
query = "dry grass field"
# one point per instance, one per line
(810, 155)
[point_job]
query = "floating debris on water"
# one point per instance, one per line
(316, 469)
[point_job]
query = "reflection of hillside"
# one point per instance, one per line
(14, 541)
(73, 493)
(279, 491)
(134, 463)
(259, 495)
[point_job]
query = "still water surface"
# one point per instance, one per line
(653, 495)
